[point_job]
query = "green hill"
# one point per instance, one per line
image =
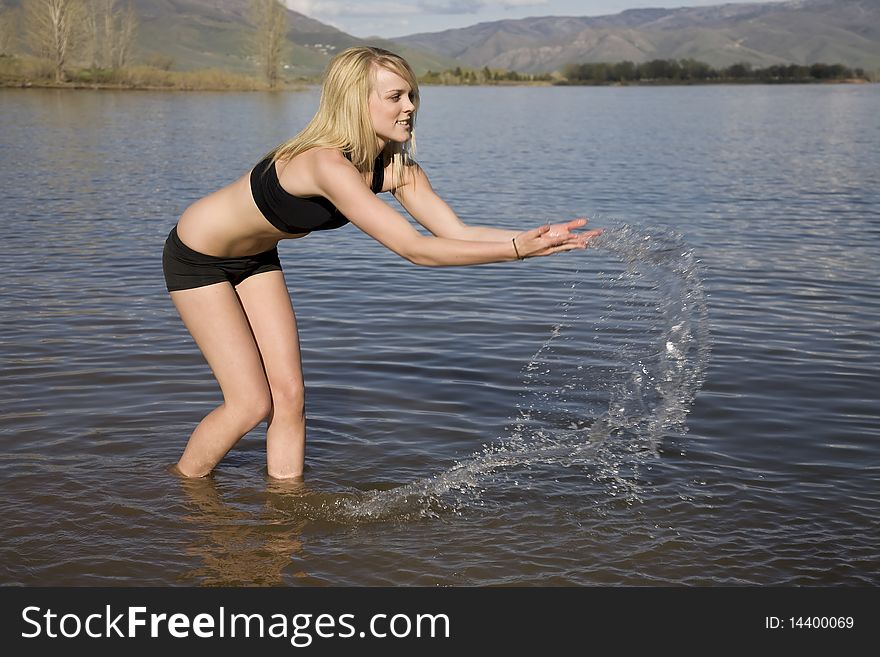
(218, 33)
(199, 34)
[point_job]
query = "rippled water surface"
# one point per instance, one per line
(694, 401)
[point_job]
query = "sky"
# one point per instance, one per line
(391, 18)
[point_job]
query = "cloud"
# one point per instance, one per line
(472, 6)
(331, 8)
(322, 8)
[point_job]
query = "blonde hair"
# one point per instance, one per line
(343, 119)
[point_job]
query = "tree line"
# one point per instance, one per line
(484, 75)
(691, 70)
(93, 40)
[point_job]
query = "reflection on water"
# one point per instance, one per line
(237, 547)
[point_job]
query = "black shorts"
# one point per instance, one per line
(185, 269)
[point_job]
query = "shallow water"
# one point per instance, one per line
(694, 401)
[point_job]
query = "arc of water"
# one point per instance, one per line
(651, 394)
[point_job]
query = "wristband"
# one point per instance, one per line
(516, 250)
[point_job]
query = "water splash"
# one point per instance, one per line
(604, 406)
(658, 385)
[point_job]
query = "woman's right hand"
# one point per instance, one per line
(554, 238)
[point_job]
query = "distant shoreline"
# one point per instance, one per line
(29, 73)
(300, 86)
(92, 86)
(708, 83)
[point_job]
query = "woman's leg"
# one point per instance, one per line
(215, 318)
(267, 303)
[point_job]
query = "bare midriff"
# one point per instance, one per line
(228, 224)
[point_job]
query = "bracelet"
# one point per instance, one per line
(518, 256)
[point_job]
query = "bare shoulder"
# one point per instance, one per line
(328, 164)
(308, 173)
(315, 160)
(413, 172)
(323, 156)
(333, 172)
(414, 179)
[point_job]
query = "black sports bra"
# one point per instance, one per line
(299, 214)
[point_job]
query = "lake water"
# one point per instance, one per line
(693, 402)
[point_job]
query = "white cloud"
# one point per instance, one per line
(321, 8)
(473, 6)
(324, 8)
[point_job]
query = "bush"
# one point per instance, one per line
(692, 70)
(26, 69)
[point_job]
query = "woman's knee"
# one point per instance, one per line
(288, 399)
(251, 408)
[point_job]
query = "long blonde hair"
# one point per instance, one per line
(343, 118)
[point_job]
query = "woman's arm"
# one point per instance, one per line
(421, 201)
(426, 207)
(339, 181)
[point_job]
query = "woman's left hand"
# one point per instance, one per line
(563, 233)
(553, 238)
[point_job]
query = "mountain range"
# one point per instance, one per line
(798, 31)
(200, 34)
(219, 34)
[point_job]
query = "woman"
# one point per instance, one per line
(221, 260)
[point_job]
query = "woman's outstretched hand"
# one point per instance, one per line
(554, 238)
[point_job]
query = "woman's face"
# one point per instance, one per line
(391, 107)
